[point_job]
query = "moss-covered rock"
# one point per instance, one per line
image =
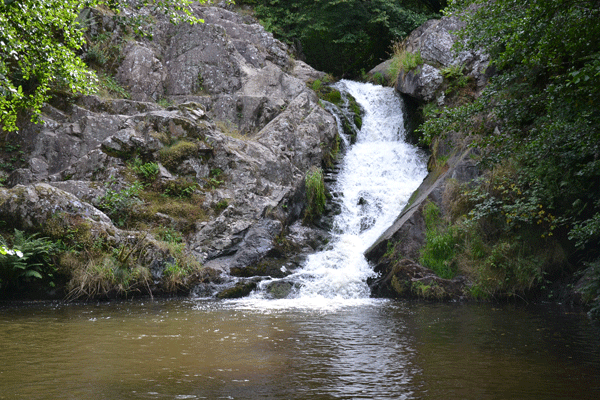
(241, 289)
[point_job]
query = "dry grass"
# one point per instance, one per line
(106, 277)
(228, 128)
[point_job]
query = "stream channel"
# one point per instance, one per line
(327, 340)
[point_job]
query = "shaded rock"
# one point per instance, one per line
(408, 230)
(241, 289)
(407, 279)
(402, 242)
(256, 243)
(382, 70)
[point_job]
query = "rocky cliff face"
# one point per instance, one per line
(240, 132)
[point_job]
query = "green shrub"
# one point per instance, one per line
(214, 179)
(179, 187)
(118, 205)
(439, 249)
(316, 85)
(590, 290)
(169, 235)
(27, 260)
(315, 193)
(334, 97)
(147, 172)
(454, 77)
(182, 266)
(378, 78)
(107, 276)
(402, 60)
(221, 205)
(110, 88)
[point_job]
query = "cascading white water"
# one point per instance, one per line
(377, 176)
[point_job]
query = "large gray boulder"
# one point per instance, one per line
(435, 42)
(421, 83)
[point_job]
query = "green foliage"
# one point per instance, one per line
(334, 97)
(169, 235)
(316, 85)
(440, 243)
(342, 37)
(590, 290)
(221, 205)
(180, 188)
(541, 111)
(108, 276)
(109, 87)
(165, 102)
(104, 51)
(315, 194)
(378, 79)
(182, 266)
(118, 205)
(214, 179)
(454, 77)
(27, 260)
(39, 45)
(147, 172)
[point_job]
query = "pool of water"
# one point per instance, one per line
(372, 349)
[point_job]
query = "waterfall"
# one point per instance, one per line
(377, 175)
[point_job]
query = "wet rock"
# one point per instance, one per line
(279, 289)
(241, 289)
(407, 279)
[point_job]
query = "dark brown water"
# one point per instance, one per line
(201, 349)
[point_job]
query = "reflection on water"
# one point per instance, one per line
(188, 349)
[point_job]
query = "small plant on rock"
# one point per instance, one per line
(180, 187)
(402, 61)
(147, 172)
(118, 205)
(315, 193)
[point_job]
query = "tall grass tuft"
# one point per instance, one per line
(402, 61)
(315, 193)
